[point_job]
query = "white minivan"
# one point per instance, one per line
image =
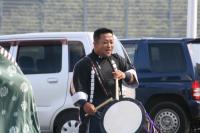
(47, 60)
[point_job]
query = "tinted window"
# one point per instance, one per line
(38, 57)
(76, 52)
(131, 50)
(5, 45)
(167, 58)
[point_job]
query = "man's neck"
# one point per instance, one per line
(99, 55)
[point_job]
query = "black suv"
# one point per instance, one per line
(169, 76)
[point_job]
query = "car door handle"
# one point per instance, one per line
(52, 80)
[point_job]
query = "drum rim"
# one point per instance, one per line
(124, 99)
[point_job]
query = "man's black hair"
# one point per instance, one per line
(98, 32)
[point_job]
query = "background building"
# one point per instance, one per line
(128, 18)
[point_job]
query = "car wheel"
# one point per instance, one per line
(71, 126)
(169, 117)
(67, 124)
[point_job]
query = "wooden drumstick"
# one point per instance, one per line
(102, 104)
(116, 81)
(116, 89)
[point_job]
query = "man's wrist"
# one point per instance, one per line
(80, 103)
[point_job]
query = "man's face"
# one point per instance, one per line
(104, 46)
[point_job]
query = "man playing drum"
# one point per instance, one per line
(95, 76)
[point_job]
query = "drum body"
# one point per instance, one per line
(124, 116)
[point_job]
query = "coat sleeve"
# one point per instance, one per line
(130, 72)
(80, 83)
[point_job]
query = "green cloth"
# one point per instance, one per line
(17, 104)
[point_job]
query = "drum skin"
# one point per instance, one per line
(124, 116)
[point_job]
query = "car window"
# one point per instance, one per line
(167, 58)
(194, 50)
(131, 50)
(37, 57)
(126, 55)
(118, 48)
(5, 45)
(76, 52)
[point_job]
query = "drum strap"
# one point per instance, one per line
(100, 79)
(92, 83)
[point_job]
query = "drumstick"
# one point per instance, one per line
(116, 89)
(116, 81)
(102, 104)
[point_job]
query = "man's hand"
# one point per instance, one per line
(119, 75)
(89, 108)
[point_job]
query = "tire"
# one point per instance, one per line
(169, 117)
(67, 123)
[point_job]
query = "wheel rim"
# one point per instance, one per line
(168, 121)
(71, 126)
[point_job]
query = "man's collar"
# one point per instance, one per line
(98, 56)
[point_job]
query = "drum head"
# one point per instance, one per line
(124, 116)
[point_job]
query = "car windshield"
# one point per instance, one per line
(194, 50)
(118, 48)
(131, 50)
